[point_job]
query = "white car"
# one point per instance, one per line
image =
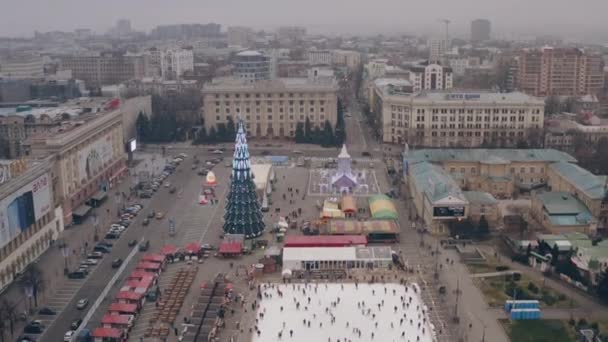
(218, 152)
(90, 262)
(69, 335)
(167, 185)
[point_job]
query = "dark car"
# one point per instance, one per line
(145, 222)
(25, 338)
(144, 246)
(132, 243)
(47, 311)
(75, 324)
(101, 248)
(151, 214)
(112, 236)
(77, 275)
(172, 190)
(33, 328)
(366, 154)
(116, 263)
(105, 243)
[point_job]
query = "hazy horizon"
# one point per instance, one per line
(509, 17)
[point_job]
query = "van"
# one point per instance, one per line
(77, 275)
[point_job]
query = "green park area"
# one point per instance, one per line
(546, 330)
(501, 288)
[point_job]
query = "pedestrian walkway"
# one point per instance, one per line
(492, 274)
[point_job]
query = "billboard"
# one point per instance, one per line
(21, 209)
(132, 145)
(92, 158)
(448, 211)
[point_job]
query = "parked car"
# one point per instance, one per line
(101, 248)
(95, 255)
(172, 190)
(217, 152)
(116, 263)
(151, 214)
(69, 335)
(91, 262)
(132, 243)
(160, 215)
(82, 303)
(33, 328)
(112, 236)
(207, 247)
(25, 338)
(77, 275)
(47, 311)
(76, 323)
(145, 222)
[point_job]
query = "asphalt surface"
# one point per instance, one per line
(157, 232)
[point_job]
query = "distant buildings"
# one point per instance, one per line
(437, 49)
(451, 118)
(22, 67)
(174, 63)
(291, 32)
(559, 71)
(105, 68)
(348, 58)
(252, 66)
(320, 57)
(430, 76)
(186, 31)
(240, 36)
(271, 108)
(480, 30)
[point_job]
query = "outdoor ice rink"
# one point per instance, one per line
(391, 312)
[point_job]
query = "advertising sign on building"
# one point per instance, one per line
(21, 209)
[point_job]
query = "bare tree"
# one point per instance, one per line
(10, 311)
(32, 282)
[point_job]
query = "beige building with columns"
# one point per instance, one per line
(453, 118)
(271, 108)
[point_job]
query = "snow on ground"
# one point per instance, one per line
(391, 312)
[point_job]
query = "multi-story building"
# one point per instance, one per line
(480, 30)
(271, 108)
(430, 76)
(316, 57)
(436, 177)
(444, 118)
(89, 157)
(292, 68)
(291, 32)
(559, 71)
(240, 36)
(30, 216)
(186, 31)
(105, 68)
(350, 59)
(437, 49)
(22, 67)
(252, 66)
(175, 62)
(12, 133)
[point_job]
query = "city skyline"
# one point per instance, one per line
(387, 16)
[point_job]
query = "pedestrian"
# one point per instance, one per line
(290, 333)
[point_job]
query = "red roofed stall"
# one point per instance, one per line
(122, 309)
(168, 250)
(138, 274)
(145, 284)
(123, 322)
(158, 258)
(130, 297)
(108, 335)
(149, 267)
(325, 240)
(192, 249)
(231, 248)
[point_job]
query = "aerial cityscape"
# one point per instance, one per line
(274, 171)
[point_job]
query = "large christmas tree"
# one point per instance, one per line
(243, 214)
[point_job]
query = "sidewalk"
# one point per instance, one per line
(79, 239)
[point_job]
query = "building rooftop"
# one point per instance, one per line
(591, 185)
(336, 253)
(286, 84)
(437, 184)
(563, 209)
(479, 197)
(249, 53)
(487, 155)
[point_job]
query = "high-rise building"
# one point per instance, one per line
(123, 26)
(243, 212)
(252, 66)
(105, 68)
(175, 62)
(437, 49)
(291, 32)
(240, 36)
(480, 30)
(560, 72)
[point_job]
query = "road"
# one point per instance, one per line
(188, 230)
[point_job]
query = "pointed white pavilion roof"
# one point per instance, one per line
(344, 152)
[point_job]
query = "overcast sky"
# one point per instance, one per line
(564, 17)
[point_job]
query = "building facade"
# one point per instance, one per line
(560, 72)
(320, 57)
(175, 62)
(89, 159)
(186, 31)
(22, 67)
(271, 108)
(437, 49)
(30, 218)
(480, 30)
(444, 119)
(350, 59)
(431, 76)
(240, 36)
(104, 69)
(252, 66)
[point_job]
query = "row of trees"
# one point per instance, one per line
(222, 132)
(468, 229)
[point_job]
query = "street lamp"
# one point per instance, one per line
(95, 226)
(65, 252)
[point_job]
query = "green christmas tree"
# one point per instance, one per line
(243, 214)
